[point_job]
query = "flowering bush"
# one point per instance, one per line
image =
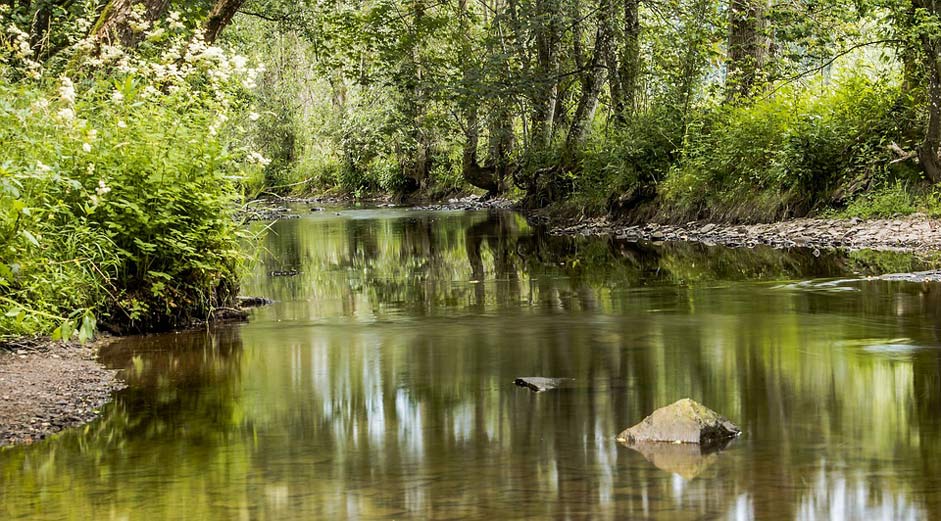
(117, 180)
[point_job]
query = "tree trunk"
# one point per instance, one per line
(115, 25)
(748, 46)
(501, 144)
(220, 16)
(591, 82)
(546, 87)
(622, 57)
(931, 146)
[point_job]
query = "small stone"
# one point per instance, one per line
(540, 384)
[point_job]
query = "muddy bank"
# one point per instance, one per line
(911, 234)
(46, 387)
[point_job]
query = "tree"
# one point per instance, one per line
(220, 16)
(123, 22)
(747, 47)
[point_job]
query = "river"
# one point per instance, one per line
(380, 385)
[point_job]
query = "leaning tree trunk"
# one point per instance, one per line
(220, 16)
(592, 79)
(115, 24)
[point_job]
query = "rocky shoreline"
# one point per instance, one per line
(916, 233)
(46, 387)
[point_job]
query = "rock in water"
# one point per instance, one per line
(253, 302)
(685, 421)
(540, 384)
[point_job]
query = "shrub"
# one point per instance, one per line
(888, 201)
(785, 155)
(117, 192)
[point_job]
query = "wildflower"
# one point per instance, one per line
(175, 23)
(102, 188)
(43, 168)
(66, 114)
(122, 124)
(67, 90)
(239, 63)
(156, 33)
(254, 116)
(256, 158)
(150, 92)
(86, 147)
(117, 98)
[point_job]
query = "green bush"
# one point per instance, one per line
(623, 159)
(889, 201)
(785, 155)
(117, 193)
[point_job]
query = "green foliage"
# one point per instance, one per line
(889, 201)
(117, 192)
(787, 154)
(627, 158)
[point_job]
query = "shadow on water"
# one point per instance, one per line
(380, 385)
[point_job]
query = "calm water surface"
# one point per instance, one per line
(379, 386)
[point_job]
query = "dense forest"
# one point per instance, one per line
(131, 130)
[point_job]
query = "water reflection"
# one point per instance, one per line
(381, 386)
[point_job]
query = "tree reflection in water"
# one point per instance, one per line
(380, 385)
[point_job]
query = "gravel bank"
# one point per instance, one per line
(915, 233)
(46, 387)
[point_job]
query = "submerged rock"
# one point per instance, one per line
(685, 421)
(687, 460)
(540, 384)
(253, 302)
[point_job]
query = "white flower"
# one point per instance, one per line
(43, 168)
(254, 116)
(86, 147)
(156, 33)
(150, 92)
(102, 188)
(66, 114)
(122, 124)
(67, 90)
(256, 158)
(239, 63)
(117, 98)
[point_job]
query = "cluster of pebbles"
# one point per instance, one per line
(469, 203)
(915, 233)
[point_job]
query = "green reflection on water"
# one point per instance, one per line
(380, 385)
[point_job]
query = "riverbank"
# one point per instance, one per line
(46, 387)
(916, 233)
